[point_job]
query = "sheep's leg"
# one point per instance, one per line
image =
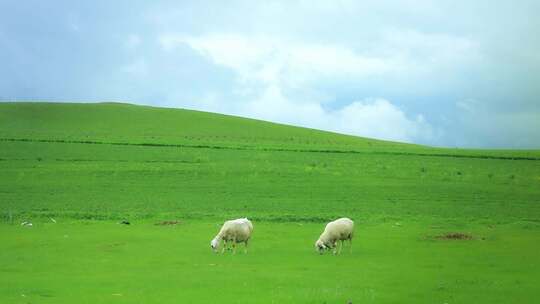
(335, 248)
(234, 246)
(246, 247)
(224, 246)
(350, 244)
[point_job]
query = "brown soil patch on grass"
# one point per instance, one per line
(454, 236)
(167, 223)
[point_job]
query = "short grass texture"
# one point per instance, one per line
(89, 166)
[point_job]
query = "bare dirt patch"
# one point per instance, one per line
(454, 236)
(167, 223)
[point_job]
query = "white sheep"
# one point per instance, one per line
(339, 230)
(234, 231)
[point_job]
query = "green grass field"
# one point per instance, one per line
(89, 166)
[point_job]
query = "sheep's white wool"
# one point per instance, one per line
(339, 230)
(233, 231)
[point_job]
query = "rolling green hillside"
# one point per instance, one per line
(117, 160)
(124, 123)
(432, 225)
(138, 125)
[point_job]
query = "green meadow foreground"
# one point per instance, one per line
(432, 225)
(103, 262)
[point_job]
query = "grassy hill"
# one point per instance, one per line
(142, 124)
(117, 123)
(90, 165)
(114, 160)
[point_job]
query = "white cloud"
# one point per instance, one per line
(379, 118)
(266, 68)
(272, 60)
(403, 59)
(374, 118)
(272, 105)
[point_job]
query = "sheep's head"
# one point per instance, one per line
(214, 244)
(320, 246)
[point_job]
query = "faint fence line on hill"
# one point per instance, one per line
(274, 149)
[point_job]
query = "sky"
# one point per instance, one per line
(441, 73)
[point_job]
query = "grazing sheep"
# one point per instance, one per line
(339, 230)
(234, 231)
